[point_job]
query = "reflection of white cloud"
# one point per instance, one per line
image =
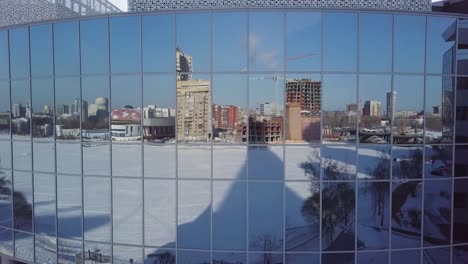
(257, 55)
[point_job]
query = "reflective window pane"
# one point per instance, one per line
(97, 209)
(229, 42)
(4, 60)
(42, 108)
(24, 246)
(19, 52)
(127, 160)
(44, 204)
(127, 254)
(409, 37)
(373, 257)
(193, 108)
(69, 206)
(68, 109)
(374, 162)
(462, 52)
(96, 159)
(98, 251)
(193, 257)
(266, 102)
(439, 104)
(461, 125)
(153, 255)
(460, 218)
(5, 155)
(345, 258)
(437, 209)
(407, 162)
(407, 99)
(194, 161)
(127, 211)
(339, 162)
(265, 211)
(265, 257)
(22, 157)
(375, 40)
(303, 95)
(338, 216)
(374, 119)
(46, 249)
(160, 216)
(22, 201)
(6, 242)
(160, 160)
(302, 163)
(193, 42)
(439, 255)
(66, 48)
(299, 258)
(229, 257)
(441, 49)
(438, 161)
(68, 158)
(406, 215)
(229, 210)
(340, 40)
(94, 46)
(373, 215)
(230, 162)
(21, 109)
(193, 218)
(406, 256)
(229, 108)
(159, 108)
(6, 204)
(41, 50)
(125, 44)
(158, 43)
(5, 112)
(302, 227)
(126, 108)
(95, 108)
(69, 250)
(340, 113)
(266, 41)
(303, 38)
(271, 155)
(461, 164)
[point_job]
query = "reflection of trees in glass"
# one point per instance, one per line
(409, 167)
(379, 190)
(400, 196)
(161, 258)
(22, 209)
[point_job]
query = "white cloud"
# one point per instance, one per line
(122, 4)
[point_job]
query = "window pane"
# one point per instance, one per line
(338, 213)
(265, 216)
(153, 255)
(96, 159)
(373, 215)
(462, 52)
(24, 246)
(127, 160)
(193, 218)
(441, 50)
(5, 112)
(69, 158)
(303, 31)
(437, 212)
(194, 108)
(159, 104)
(461, 163)
(69, 250)
(6, 206)
(68, 109)
(22, 200)
(230, 162)
(125, 44)
(5, 154)
(127, 211)
(374, 162)
(375, 40)
(406, 215)
(271, 155)
(440, 255)
(407, 162)
(126, 108)
(265, 257)
(373, 257)
(340, 41)
(42, 108)
(229, 108)
(95, 109)
(6, 243)
(302, 216)
(126, 254)
(438, 161)
(44, 204)
(66, 48)
(229, 257)
(158, 43)
(194, 161)
(229, 42)
(303, 108)
(193, 257)
(266, 102)
(410, 34)
(22, 157)
(229, 210)
(4, 60)
(21, 109)
(193, 42)
(340, 113)
(94, 46)
(408, 104)
(19, 52)
(302, 163)
(461, 125)
(406, 256)
(439, 109)
(160, 160)
(69, 206)
(97, 209)
(374, 121)
(460, 218)
(41, 50)
(339, 162)
(98, 251)
(266, 41)
(160, 216)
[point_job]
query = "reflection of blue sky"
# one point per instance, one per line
(93, 87)
(125, 44)
(19, 53)
(158, 37)
(436, 45)
(159, 90)
(339, 91)
(409, 92)
(433, 92)
(374, 87)
(230, 90)
(123, 91)
(409, 43)
(262, 89)
(66, 90)
(193, 38)
(94, 46)
(375, 39)
(66, 48)
(4, 55)
(41, 50)
(42, 93)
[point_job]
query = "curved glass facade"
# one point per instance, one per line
(235, 136)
